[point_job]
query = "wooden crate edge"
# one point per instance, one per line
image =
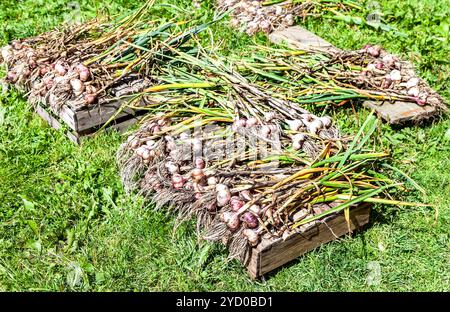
(324, 232)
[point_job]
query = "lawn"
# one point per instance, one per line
(66, 223)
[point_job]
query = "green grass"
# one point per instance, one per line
(66, 223)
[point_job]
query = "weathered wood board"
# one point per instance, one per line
(393, 112)
(86, 122)
(299, 38)
(272, 253)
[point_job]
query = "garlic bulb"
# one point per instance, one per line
(250, 220)
(413, 82)
(252, 237)
(295, 124)
(60, 69)
(223, 197)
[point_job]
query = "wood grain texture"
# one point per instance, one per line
(272, 253)
(302, 39)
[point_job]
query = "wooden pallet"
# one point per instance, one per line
(85, 122)
(394, 113)
(272, 253)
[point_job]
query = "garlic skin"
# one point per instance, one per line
(197, 174)
(77, 86)
(199, 163)
(251, 122)
(298, 140)
(315, 126)
(414, 91)
(90, 99)
(236, 203)
(223, 197)
(326, 121)
(60, 69)
(172, 167)
(295, 124)
(234, 222)
(250, 220)
(212, 181)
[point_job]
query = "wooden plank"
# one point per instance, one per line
(54, 123)
(100, 114)
(299, 38)
(394, 113)
(401, 112)
(270, 254)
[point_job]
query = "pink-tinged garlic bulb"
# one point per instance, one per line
(371, 67)
(295, 124)
(60, 69)
(223, 195)
(315, 126)
(298, 140)
(199, 163)
(17, 45)
(90, 99)
(251, 122)
(250, 220)
(77, 86)
(140, 151)
(389, 60)
(172, 167)
(197, 175)
(374, 51)
(226, 216)
(387, 82)
(84, 72)
(147, 155)
(134, 143)
(212, 181)
(11, 77)
(239, 124)
(420, 101)
(236, 203)
(234, 222)
(379, 65)
(252, 237)
(44, 70)
(326, 121)
(150, 143)
(307, 117)
(265, 26)
(178, 181)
